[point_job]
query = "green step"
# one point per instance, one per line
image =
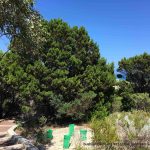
(66, 143)
(50, 134)
(71, 129)
(83, 134)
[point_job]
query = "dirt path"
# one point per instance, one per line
(6, 124)
(58, 135)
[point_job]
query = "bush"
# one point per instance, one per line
(100, 111)
(41, 137)
(104, 131)
(117, 104)
(79, 147)
(141, 101)
(42, 120)
(125, 127)
(138, 101)
(123, 87)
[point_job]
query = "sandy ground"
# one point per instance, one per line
(58, 135)
(5, 125)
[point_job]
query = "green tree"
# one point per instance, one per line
(12, 77)
(138, 72)
(66, 81)
(78, 77)
(21, 23)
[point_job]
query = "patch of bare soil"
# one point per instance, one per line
(6, 124)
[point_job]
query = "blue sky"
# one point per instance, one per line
(121, 28)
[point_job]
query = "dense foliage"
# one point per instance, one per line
(66, 82)
(138, 72)
(124, 128)
(134, 93)
(54, 72)
(138, 101)
(21, 23)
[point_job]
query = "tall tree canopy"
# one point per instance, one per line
(78, 73)
(21, 23)
(67, 80)
(138, 72)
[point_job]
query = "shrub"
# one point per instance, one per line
(42, 120)
(138, 101)
(128, 127)
(41, 137)
(100, 111)
(117, 104)
(141, 101)
(79, 147)
(104, 131)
